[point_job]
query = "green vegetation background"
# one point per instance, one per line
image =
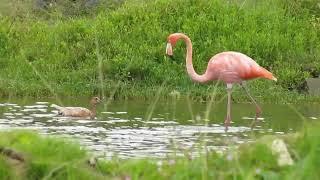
(68, 48)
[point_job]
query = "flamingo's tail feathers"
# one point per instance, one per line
(55, 106)
(268, 75)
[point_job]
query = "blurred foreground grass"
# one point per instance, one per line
(54, 158)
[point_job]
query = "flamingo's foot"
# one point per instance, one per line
(258, 113)
(254, 122)
(227, 123)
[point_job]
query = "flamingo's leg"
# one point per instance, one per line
(258, 109)
(228, 118)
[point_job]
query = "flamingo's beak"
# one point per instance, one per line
(169, 49)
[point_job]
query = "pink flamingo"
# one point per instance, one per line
(229, 67)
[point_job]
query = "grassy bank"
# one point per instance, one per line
(52, 158)
(120, 51)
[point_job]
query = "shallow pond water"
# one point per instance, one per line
(135, 129)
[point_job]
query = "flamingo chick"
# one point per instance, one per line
(229, 67)
(79, 111)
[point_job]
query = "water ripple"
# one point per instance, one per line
(126, 134)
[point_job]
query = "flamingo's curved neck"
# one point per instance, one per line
(191, 72)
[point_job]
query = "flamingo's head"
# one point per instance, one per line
(171, 42)
(95, 100)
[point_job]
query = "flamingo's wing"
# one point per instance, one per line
(235, 67)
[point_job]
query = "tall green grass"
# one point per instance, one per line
(55, 9)
(47, 158)
(59, 56)
(51, 158)
(5, 171)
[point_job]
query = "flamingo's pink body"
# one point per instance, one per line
(229, 67)
(233, 67)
